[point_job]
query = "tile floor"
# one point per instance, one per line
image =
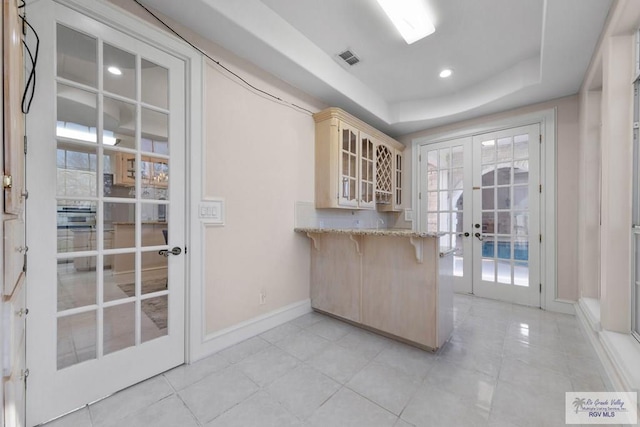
(505, 365)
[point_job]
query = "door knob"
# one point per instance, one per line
(166, 252)
(477, 226)
(465, 234)
(479, 236)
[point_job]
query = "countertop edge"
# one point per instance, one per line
(368, 232)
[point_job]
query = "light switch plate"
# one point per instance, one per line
(408, 214)
(211, 211)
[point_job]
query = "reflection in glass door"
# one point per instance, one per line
(109, 310)
(112, 176)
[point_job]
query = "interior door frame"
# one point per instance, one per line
(118, 19)
(548, 178)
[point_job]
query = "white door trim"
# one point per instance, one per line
(548, 177)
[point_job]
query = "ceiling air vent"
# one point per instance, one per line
(349, 57)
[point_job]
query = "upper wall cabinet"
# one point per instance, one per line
(357, 167)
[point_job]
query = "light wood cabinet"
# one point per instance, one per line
(355, 163)
(14, 248)
(335, 277)
(154, 171)
(395, 283)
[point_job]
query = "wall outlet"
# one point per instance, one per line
(263, 297)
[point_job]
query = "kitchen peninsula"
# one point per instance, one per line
(394, 282)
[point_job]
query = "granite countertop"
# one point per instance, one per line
(395, 232)
(143, 223)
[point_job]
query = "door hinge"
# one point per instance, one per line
(540, 138)
(419, 196)
(24, 374)
(540, 238)
(540, 188)
(419, 157)
(540, 287)
(24, 264)
(7, 181)
(25, 145)
(185, 250)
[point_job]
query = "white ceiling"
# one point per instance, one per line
(504, 53)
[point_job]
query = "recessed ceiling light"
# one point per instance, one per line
(410, 18)
(446, 73)
(114, 70)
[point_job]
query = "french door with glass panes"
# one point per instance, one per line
(446, 203)
(482, 193)
(107, 196)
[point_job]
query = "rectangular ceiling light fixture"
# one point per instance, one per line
(410, 18)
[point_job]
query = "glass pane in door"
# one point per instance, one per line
(155, 84)
(445, 202)
(119, 71)
(77, 55)
(504, 209)
(112, 198)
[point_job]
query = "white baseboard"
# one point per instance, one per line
(220, 340)
(591, 309)
(618, 352)
(560, 306)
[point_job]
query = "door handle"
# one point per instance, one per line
(479, 236)
(465, 234)
(166, 252)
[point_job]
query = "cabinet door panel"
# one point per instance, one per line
(14, 339)
(397, 188)
(14, 361)
(398, 292)
(14, 247)
(335, 276)
(349, 165)
(367, 172)
(13, 155)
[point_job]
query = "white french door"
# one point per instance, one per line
(106, 167)
(483, 193)
(446, 203)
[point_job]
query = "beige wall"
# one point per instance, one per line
(567, 180)
(258, 156)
